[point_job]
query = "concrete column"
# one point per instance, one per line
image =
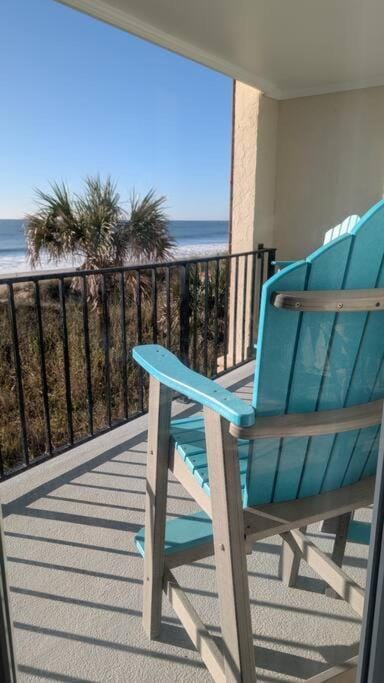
(253, 169)
(252, 205)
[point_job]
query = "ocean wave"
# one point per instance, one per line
(193, 239)
(15, 261)
(13, 250)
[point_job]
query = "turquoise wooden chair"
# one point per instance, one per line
(342, 228)
(344, 528)
(305, 450)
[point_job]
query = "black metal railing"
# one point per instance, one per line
(66, 369)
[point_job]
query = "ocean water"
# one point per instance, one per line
(192, 238)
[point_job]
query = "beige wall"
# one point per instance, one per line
(253, 198)
(330, 163)
(254, 168)
(302, 165)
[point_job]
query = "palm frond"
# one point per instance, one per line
(93, 224)
(53, 228)
(144, 236)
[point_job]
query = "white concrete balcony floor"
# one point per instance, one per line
(76, 578)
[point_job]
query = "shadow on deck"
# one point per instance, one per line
(76, 578)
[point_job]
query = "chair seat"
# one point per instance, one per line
(188, 531)
(182, 533)
(189, 438)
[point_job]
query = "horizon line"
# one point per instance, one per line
(23, 218)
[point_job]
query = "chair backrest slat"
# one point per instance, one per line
(348, 455)
(347, 225)
(318, 361)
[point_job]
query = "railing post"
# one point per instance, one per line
(184, 313)
(252, 300)
(271, 259)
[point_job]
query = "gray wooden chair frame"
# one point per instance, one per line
(235, 529)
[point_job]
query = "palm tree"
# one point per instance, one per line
(95, 227)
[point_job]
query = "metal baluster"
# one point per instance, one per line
(1, 463)
(184, 313)
(139, 337)
(43, 370)
(216, 312)
(250, 352)
(260, 256)
(87, 355)
(67, 376)
(206, 320)
(123, 344)
(227, 260)
(154, 306)
(271, 259)
(19, 381)
(168, 305)
(195, 311)
(235, 310)
(106, 342)
(244, 307)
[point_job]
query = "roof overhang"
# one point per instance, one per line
(286, 48)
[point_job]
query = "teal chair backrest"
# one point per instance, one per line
(318, 361)
(345, 226)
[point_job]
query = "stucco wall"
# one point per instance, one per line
(254, 168)
(330, 163)
(302, 165)
(253, 198)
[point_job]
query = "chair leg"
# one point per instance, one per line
(289, 563)
(230, 551)
(329, 526)
(341, 531)
(160, 398)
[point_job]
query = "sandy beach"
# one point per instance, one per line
(13, 267)
(193, 239)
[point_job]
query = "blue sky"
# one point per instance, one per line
(80, 97)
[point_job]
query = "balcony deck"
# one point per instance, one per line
(76, 578)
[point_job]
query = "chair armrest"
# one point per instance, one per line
(167, 369)
(313, 424)
(334, 300)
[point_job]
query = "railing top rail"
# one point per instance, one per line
(33, 276)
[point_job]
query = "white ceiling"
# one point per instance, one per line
(287, 48)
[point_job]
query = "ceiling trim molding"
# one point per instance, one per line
(331, 88)
(100, 9)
